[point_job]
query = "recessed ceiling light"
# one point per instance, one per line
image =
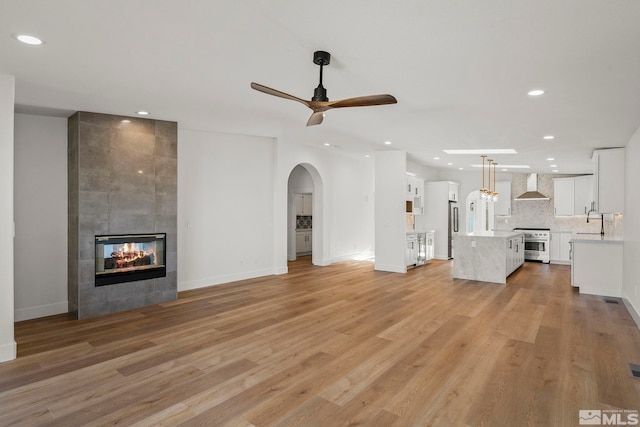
(483, 151)
(555, 170)
(449, 164)
(535, 92)
(553, 166)
(125, 121)
(504, 170)
(140, 171)
(507, 166)
(367, 156)
(326, 144)
(550, 159)
(436, 158)
(460, 169)
(143, 113)
(387, 143)
(548, 137)
(27, 39)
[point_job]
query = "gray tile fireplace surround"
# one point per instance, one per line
(122, 180)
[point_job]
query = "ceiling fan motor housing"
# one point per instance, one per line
(320, 57)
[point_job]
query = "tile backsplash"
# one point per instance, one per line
(539, 213)
(303, 222)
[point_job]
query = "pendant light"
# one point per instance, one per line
(495, 188)
(489, 192)
(483, 191)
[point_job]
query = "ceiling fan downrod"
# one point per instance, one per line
(321, 58)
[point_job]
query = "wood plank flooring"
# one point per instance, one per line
(341, 345)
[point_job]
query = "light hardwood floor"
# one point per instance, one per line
(332, 346)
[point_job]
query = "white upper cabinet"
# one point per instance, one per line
(583, 194)
(608, 180)
(304, 204)
(454, 189)
(503, 205)
(415, 193)
(573, 195)
(563, 196)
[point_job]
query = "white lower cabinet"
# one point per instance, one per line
(411, 251)
(515, 253)
(303, 242)
(560, 247)
(430, 247)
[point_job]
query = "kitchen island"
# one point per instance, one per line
(596, 264)
(489, 256)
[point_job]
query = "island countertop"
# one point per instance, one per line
(496, 233)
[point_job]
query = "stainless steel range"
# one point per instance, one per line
(536, 244)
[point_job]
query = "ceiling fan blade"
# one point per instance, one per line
(363, 101)
(270, 91)
(315, 119)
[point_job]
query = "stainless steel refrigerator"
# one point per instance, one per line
(454, 218)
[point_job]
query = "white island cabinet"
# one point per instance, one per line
(489, 256)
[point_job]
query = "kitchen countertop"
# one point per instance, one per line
(596, 238)
(497, 233)
(421, 232)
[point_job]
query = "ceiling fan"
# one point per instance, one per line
(320, 103)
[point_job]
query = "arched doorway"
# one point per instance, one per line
(304, 213)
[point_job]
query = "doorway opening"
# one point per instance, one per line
(303, 220)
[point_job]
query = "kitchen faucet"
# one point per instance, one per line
(601, 223)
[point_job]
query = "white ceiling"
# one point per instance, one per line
(460, 70)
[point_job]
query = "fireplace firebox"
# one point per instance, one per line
(131, 257)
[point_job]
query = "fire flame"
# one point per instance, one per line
(128, 253)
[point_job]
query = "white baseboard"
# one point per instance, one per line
(632, 311)
(359, 256)
(217, 280)
(8, 351)
(391, 268)
(21, 314)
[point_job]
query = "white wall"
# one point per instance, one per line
(343, 202)
(7, 342)
(390, 182)
(352, 219)
(225, 207)
(233, 201)
(631, 267)
(41, 216)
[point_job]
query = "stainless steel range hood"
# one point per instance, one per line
(532, 190)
